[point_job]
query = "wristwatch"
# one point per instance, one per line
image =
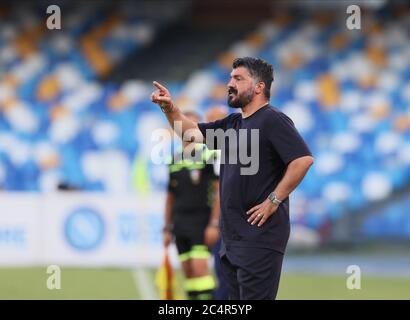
(272, 197)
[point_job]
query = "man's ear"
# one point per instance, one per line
(260, 87)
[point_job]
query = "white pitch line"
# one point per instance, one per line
(144, 284)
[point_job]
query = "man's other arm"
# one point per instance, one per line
(295, 172)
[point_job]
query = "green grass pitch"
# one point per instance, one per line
(30, 283)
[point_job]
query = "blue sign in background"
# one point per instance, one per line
(84, 229)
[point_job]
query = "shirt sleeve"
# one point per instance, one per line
(208, 129)
(285, 138)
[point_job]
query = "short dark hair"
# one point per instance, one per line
(259, 69)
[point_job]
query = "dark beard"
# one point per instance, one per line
(241, 100)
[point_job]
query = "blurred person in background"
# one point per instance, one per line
(221, 292)
(192, 214)
(65, 186)
(255, 224)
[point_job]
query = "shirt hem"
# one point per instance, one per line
(254, 244)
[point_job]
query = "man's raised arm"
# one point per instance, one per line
(184, 127)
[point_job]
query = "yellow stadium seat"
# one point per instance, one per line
(402, 123)
(58, 112)
(49, 161)
(377, 55)
(48, 89)
(367, 81)
(218, 92)
(329, 92)
(26, 42)
(339, 41)
(8, 104)
(380, 111)
(225, 60)
(117, 102)
(293, 61)
(255, 40)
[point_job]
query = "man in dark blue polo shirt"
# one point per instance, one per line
(254, 189)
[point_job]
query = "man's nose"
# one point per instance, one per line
(230, 84)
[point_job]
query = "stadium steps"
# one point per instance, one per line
(176, 52)
(352, 224)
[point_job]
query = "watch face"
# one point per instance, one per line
(273, 199)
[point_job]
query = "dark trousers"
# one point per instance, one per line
(252, 273)
(221, 292)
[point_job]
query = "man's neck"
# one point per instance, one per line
(252, 107)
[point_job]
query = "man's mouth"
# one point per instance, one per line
(231, 92)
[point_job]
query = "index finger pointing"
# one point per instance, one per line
(159, 86)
